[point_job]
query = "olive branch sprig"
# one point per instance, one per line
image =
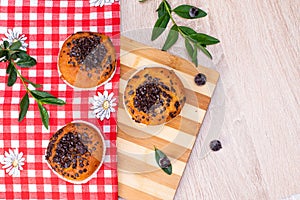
(193, 40)
(14, 56)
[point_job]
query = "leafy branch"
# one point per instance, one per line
(193, 40)
(14, 56)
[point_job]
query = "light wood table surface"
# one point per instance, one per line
(259, 63)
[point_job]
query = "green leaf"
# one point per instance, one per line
(29, 62)
(6, 44)
(23, 55)
(10, 67)
(187, 30)
(14, 56)
(189, 48)
(31, 83)
(24, 104)
(38, 94)
(184, 12)
(204, 50)
(159, 155)
(162, 9)
(44, 115)
(194, 57)
(172, 38)
(160, 26)
(204, 39)
(53, 101)
(12, 78)
(3, 53)
(16, 45)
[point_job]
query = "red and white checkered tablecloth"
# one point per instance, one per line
(46, 24)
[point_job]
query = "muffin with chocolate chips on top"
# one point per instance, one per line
(154, 95)
(75, 152)
(87, 60)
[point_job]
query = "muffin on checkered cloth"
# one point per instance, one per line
(75, 152)
(87, 59)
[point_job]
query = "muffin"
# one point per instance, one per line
(154, 95)
(75, 152)
(87, 60)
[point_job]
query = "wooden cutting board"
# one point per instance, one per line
(138, 174)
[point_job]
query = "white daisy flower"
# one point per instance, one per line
(13, 36)
(101, 2)
(103, 105)
(13, 162)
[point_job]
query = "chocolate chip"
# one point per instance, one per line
(131, 92)
(176, 104)
(165, 87)
(173, 90)
(164, 94)
(172, 114)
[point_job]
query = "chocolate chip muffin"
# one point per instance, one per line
(75, 152)
(87, 59)
(154, 95)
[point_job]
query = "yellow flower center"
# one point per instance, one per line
(105, 105)
(15, 40)
(15, 163)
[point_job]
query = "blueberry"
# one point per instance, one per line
(200, 79)
(164, 162)
(215, 145)
(194, 12)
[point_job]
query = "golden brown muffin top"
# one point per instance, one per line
(87, 59)
(75, 151)
(154, 95)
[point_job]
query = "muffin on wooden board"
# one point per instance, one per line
(75, 152)
(87, 59)
(154, 95)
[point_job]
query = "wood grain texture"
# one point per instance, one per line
(259, 62)
(135, 142)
